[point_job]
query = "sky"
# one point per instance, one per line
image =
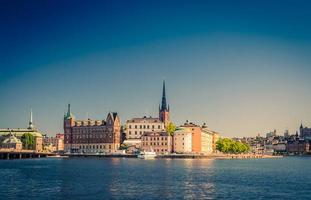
(242, 67)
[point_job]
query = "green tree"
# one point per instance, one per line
(28, 141)
(170, 129)
(124, 147)
(227, 145)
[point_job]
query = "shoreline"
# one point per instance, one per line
(176, 156)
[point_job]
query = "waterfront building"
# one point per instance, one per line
(159, 142)
(20, 132)
(12, 142)
(298, 147)
(92, 136)
(54, 143)
(305, 132)
(182, 140)
(196, 136)
(203, 139)
(280, 147)
(136, 127)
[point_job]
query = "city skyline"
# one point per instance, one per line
(241, 69)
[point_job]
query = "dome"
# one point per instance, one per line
(11, 140)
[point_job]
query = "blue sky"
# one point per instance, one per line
(243, 67)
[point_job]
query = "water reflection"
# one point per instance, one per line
(163, 179)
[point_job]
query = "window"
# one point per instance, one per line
(135, 126)
(135, 132)
(148, 127)
(130, 133)
(140, 126)
(159, 126)
(109, 146)
(144, 126)
(130, 126)
(152, 126)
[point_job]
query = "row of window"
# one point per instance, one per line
(154, 143)
(89, 136)
(94, 146)
(144, 126)
(154, 139)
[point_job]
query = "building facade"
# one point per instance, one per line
(54, 143)
(305, 132)
(159, 142)
(182, 140)
(92, 136)
(136, 127)
(203, 139)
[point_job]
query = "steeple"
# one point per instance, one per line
(30, 125)
(164, 114)
(68, 115)
(163, 105)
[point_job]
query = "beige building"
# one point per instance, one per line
(207, 141)
(159, 142)
(20, 132)
(136, 127)
(182, 140)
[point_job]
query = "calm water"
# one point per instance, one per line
(285, 178)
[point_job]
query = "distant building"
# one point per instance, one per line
(182, 140)
(160, 142)
(286, 133)
(54, 143)
(92, 136)
(298, 147)
(305, 132)
(271, 134)
(20, 132)
(136, 127)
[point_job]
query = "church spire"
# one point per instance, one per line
(163, 105)
(68, 115)
(30, 125)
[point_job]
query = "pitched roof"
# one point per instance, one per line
(156, 134)
(144, 120)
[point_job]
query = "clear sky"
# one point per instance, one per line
(243, 67)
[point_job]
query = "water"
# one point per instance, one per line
(120, 178)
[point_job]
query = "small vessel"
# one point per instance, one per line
(147, 155)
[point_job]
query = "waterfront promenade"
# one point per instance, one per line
(22, 154)
(178, 156)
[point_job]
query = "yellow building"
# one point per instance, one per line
(19, 132)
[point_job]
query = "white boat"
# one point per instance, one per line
(147, 155)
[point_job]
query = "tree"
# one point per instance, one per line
(170, 129)
(28, 141)
(227, 145)
(124, 147)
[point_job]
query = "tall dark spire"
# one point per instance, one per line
(68, 115)
(163, 105)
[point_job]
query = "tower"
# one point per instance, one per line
(68, 119)
(301, 131)
(164, 108)
(68, 124)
